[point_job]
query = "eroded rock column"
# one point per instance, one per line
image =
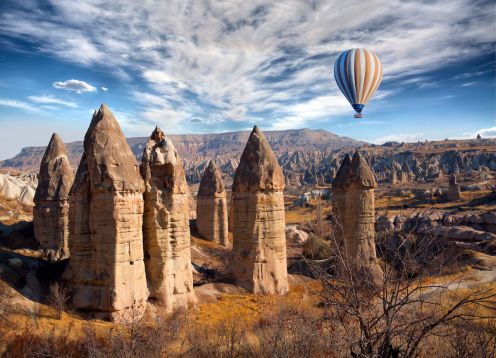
(259, 243)
(211, 207)
(166, 224)
(51, 210)
(338, 199)
(359, 233)
(106, 270)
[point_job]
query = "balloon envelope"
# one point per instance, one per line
(358, 73)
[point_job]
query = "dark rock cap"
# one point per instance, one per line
(110, 162)
(161, 166)
(56, 175)
(258, 169)
(211, 181)
(360, 173)
(341, 178)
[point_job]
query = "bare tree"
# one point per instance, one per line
(406, 311)
(58, 297)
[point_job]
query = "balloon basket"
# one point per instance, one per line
(357, 115)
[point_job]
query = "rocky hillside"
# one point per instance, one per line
(311, 157)
(197, 149)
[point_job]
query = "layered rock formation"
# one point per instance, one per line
(166, 224)
(51, 210)
(258, 260)
(453, 190)
(106, 270)
(20, 187)
(211, 207)
(358, 183)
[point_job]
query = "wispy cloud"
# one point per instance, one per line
(17, 104)
(104, 88)
(52, 100)
(75, 86)
(236, 61)
(483, 132)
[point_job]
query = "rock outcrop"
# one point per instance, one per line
(358, 183)
(453, 190)
(258, 261)
(106, 270)
(211, 207)
(51, 210)
(166, 224)
(20, 187)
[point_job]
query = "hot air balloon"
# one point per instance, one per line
(358, 73)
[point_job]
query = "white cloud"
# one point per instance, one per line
(105, 89)
(484, 133)
(75, 85)
(404, 137)
(52, 100)
(17, 104)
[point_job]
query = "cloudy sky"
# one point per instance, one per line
(212, 66)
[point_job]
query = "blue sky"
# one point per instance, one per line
(214, 66)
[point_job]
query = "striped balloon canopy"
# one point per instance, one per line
(358, 73)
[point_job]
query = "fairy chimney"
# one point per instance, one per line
(166, 224)
(211, 206)
(453, 189)
(258, 261)
(338, 197)
(358, 224)
(106, 270)
(51, 210)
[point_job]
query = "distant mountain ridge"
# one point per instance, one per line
(197, 149)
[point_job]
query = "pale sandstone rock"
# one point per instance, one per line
(358, 222)
(106, 270)
(51, 210)
(211, 207)
(258, 261)
(166, 224)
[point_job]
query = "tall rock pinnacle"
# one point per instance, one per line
(51, 210)
(166, 224)
(211, 206)
(258, 260)
(106, 270)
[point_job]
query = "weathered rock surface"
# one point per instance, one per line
(166, 224)
(259, 262)
(358, 183)
(18, 187)
(106, 270)
(51, 210)
(211, 207)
